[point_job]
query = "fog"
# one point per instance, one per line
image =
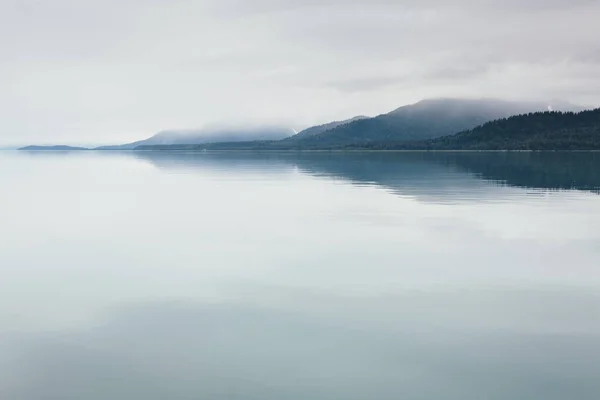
(106, 72)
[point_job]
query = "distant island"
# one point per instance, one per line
(52, 148)
(438, 124)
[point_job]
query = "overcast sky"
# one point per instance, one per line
(112, 71)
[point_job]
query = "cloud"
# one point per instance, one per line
(111, 71)
(367, 84)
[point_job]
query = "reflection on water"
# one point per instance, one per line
(155, 275)
(450, 173)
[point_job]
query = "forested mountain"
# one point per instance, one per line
(535, 131)
(550, 130)
(315, 130)
(429, 124)
(424, 120)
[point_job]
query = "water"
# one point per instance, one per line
(299, 276)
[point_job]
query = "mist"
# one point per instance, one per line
(113, 72)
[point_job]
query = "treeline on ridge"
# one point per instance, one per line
(549, 130)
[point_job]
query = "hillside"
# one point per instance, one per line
(535, 131)
(316, 130)
(428, 124)
(204, 136)
(427, 119)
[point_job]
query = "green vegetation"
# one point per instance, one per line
(421, 126)
(536, 131)
(424, 120)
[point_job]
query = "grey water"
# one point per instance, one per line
(158, 275)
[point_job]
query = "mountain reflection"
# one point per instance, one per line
(445, 174)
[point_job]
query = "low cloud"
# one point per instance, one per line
(106, 72)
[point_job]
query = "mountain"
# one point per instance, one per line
(411, 126)
(535, 131)
(204, 136)
(315, 130)
(426, 119)
(52, 148)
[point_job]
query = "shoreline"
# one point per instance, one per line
(297, 151)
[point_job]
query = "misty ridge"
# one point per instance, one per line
(411, 124)
(209, 135)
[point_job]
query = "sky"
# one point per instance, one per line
(114, 71)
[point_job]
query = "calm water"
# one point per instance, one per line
(177, 276)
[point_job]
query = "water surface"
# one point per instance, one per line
(157, 275)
